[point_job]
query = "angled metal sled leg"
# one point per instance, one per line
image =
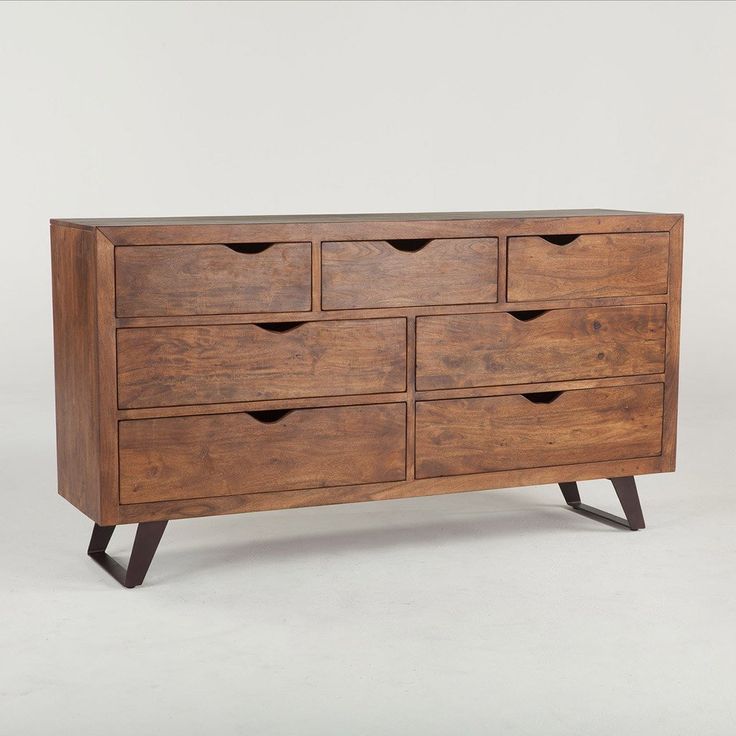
(147, 537)
(625, 490)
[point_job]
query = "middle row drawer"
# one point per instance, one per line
(502, 348)
(210, 364)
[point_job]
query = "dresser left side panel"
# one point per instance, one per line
(84, 360)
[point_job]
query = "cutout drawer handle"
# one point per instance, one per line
(560, 239)
(409, 246)
(251, 248)
(543, 397)
(278, 326)
(528, 315)
(269, 416)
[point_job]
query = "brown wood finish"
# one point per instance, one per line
(90, 424)
(376, 273)
(173, 366)
(74, 289)
(84, 363)
(215, 455)
(464, 350)
(213, 279)
(602, 265)
(462, 436)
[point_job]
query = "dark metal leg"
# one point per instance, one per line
(625, 490)
(571, 493)
(146, 541)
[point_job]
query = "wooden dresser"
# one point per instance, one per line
(219, 365)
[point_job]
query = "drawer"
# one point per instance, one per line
(206, 364)
(225, 454)
(403, 273)
(587, 266)
(462, 350)
(459, 436)
(153, 280)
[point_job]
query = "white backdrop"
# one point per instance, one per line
(148, 109)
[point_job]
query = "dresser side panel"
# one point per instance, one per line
(74, 290)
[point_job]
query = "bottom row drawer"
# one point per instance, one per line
(459, 436)
(176, 458)
(225, 454)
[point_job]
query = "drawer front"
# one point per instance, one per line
(403, 273)
(152, 281)
(462, 350)
(206, 364)
(460, 436)
(589, 266)
(226, 454)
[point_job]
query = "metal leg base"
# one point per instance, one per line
(147, 537)
(625, 488)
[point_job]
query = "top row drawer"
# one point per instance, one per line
(587, 266)
(407, 273)
(174, 280)
(171, 280)
(168, 280)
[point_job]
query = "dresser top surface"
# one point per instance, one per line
(91, 223)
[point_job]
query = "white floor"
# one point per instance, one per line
(494, 612)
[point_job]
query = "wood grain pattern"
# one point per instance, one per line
(212, 279)
(74, 290)
(374, 273)
(215, 455)
(603, 265)
(465, 350)
(461, 436)
(222, 363)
